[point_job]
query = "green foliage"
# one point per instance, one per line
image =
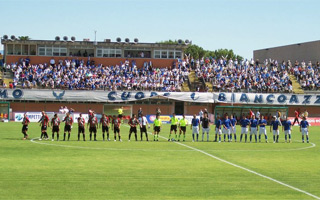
(24, 38)
(173, 42)
(198, 52)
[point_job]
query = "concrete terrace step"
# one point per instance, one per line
(296, 87)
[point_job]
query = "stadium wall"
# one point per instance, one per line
(160, 63)
(189, 109)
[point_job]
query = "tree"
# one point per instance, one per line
(24, 38)
(198, 52)
(195, 51)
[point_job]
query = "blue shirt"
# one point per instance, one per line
(195, 122)
(275, 125)
(304, 124)
(287, 125)
(227, 123)
(262, 122)
(218, 123)
(233, 121)
(254, 123)
(244, 123)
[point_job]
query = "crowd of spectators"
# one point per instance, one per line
(77, 75)
(248, 75)
(308, 75)
(225, 75)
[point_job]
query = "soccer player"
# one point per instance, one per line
(218, 128)
(143, 122)
(67, 126)
(174, 121)
(233, 128)
(81, 129)
(195, 127)
(244, 127)
(296, 116)
(93, 123)
(275, 123)
(25, 122)
(253, 128)
(104, 121)
(287, 129)
(116, 123)
(120, 112)
(157, 128)
(133, 122)
(55, 123)
(205, 126)
(201, 114)
(44, 123)
(304, 126)
(183, 123)
(140, 112)
(262, 128)
(226, 128)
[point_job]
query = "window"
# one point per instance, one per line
(17, 49)
(51, 51)
(164, 54)
(178, 54)
(33, 49)
(167, 54)
(25, 49)
(109, 53)
(9, 49)
(171, 54)
(157, 54)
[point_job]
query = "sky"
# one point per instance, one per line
(241, 25)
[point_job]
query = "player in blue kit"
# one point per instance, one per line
(195, 127)
(304, 126)
(218, 124)
(253, 128)
(262, 128)
(226, 128)
(286, 126)
(244, 122)
(233, 128)
(275, 127)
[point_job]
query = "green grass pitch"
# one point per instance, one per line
(155, 170)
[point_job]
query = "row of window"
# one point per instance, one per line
(167, 54)
(109, 53)
(19, 49)
(52, 51)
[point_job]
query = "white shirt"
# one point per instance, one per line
(143, 121)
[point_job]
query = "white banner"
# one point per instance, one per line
(197, 97)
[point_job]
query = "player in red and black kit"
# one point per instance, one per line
(44, 123)
(116, 123)
(55, 123)
(133, 122)
(296, 116)
(104, 121)
(68, 126)
(81, 124)
(93, 123)
(25, 123)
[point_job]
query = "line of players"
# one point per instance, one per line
(226, 126)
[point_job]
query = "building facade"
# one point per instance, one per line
(308, 51)
(107, 52)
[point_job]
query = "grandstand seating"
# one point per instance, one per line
(204, 75)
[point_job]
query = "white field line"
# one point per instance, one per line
(219, 159)
(248, 170)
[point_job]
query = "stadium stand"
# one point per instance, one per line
(202, 75)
